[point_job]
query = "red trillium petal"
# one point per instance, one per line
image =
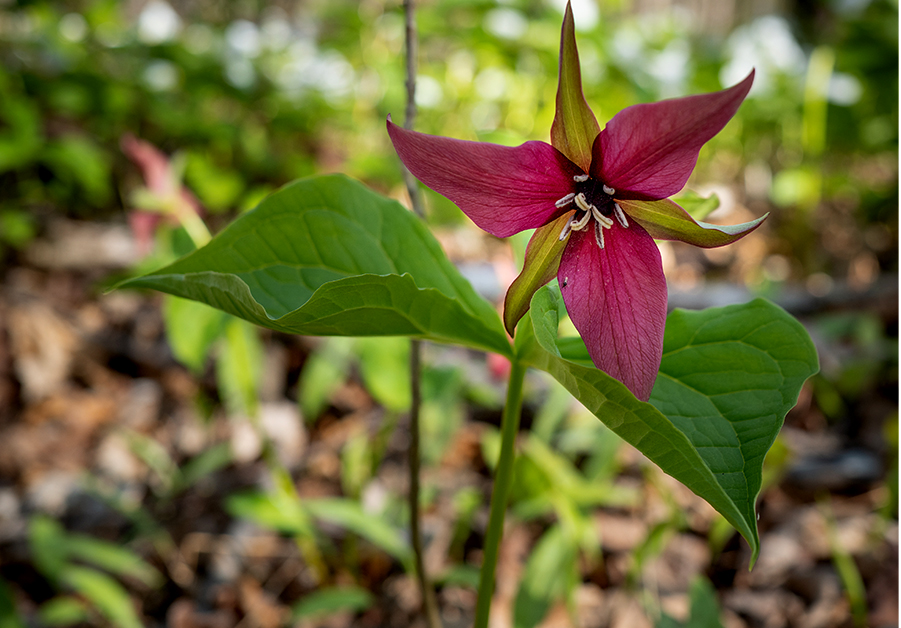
(616, 298)
(648, 151)
(504, 190)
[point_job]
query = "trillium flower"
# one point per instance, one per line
(597, 199)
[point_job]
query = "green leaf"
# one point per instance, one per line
(549, 575)
(9, 618)
(239, 367)
(47, 540)
(705, 608)
(325, 602)
(327, 256)
(276, 510)
(104, 593)
(63, 610)
(203, 464)
(728, 377)
(350, 515)
(191, 329)
(80, 162)
(385, 367)
(120, 561)
(322, 375)
(697, 206)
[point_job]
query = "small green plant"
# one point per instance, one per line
(88, 574)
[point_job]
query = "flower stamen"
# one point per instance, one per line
(566, 200)
(580, 178)
(620, 215)
(609, 191)
(599, 235)
(582, 202)
(601, 218)
(581, 223)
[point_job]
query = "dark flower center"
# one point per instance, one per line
(593, 199)
(593, 189)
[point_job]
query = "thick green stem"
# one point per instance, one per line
(502, 480)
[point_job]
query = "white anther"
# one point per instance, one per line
(599, 235)
(580, 178)
(566, 229)
(580, 224)
(582, 202)
(620, 215)
(609, 190)
(566, 200)
(604, 221)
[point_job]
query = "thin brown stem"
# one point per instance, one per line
(430, 605)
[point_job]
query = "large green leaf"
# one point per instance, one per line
(327, 256)
(728, 377)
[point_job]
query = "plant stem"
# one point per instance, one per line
(502, 479)
(410, 111)
(429, 604)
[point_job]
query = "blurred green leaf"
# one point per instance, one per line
(154, 455)
(239, 366)
(273, 510)
(104, 594)
(82, 164)
(20, 132)
(705, 608)
(63, 610)
(217, 188)
(325, 371)
(17, 228)
(351, 516)
(326, 256)
(324, 602)
(115, 559)
(191, 329)
(796, 186)
(385, 366)
(356, 463)
(550, 574)
(698, 206)
(47, 541)
(460, 575)
(206, 462)
(9, 618)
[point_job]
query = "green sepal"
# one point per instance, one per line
(665, 220)
(574, 127)
(540, 266)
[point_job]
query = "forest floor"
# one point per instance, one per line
(100, 425)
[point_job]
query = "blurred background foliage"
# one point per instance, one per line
(248, 95)
(255, 94)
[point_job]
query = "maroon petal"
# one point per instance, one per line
(648, 151)
(616, 298)
(503, 189)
